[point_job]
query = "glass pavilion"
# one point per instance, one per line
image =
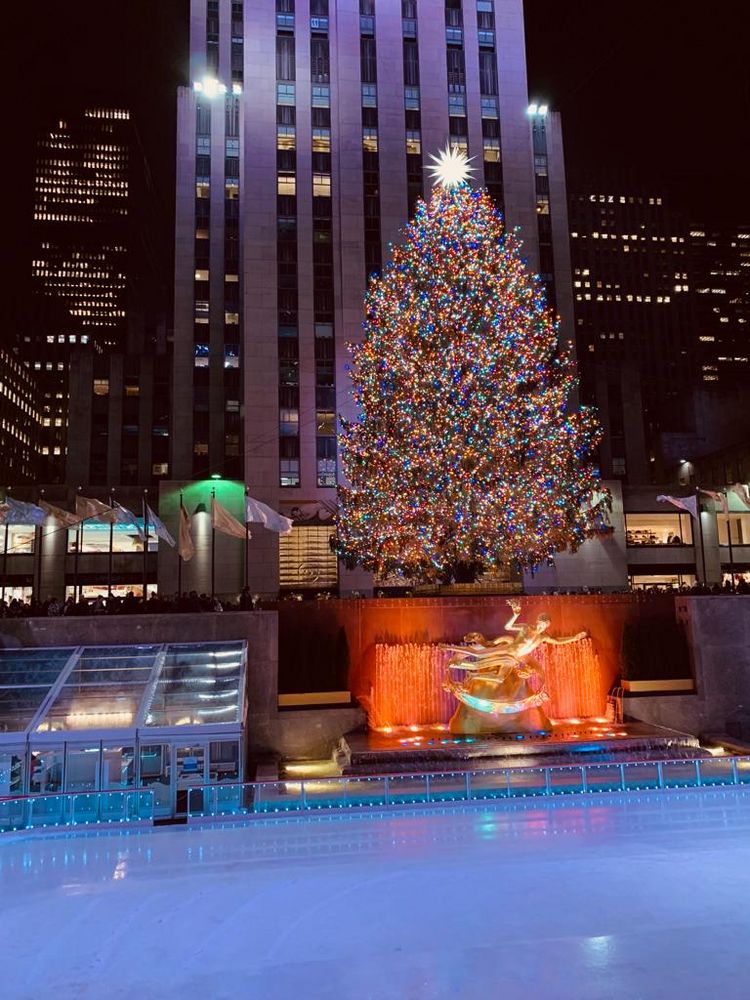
(104, 718)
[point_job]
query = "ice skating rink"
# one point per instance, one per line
(622, 897)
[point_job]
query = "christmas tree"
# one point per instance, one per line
(466, 455)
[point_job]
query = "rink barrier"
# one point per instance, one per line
(67, 809)
(292, 795)
(303, 795)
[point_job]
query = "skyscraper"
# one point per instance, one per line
(91, 256)
(302, 147)
(720, 279)
(634, 323)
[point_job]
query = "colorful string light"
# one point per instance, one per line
(466, 452)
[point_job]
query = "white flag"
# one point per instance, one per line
(257, 512)
(720, 498)
(223, 521)
(186, 548)
(159, 527)
(126, 517)
(688, 504)
(740, 490)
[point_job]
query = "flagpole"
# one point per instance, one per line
(729, 539)
(145, 545)
(39, 555)
(5, 557)
(111, 544)
(213, 545)
(247, 541)
(179, 555)
(700, 533)
(79, 543)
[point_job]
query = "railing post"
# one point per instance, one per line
(622, 777)
(303, 795)
(698, 773)
(735, 775)
(427, 787)
(584, 778)
(386, 790)
(547, 782)
(467, 779)
(660, 773)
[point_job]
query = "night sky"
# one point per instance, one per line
(659, 87)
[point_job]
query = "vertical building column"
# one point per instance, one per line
(258, 214)
(182, 395)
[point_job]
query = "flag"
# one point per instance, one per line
(720, 498)
(126, 517)
(689, 504)
(159, 527)
(19, 512)
(89, 509)
(223, 521)
(257, 512)
(63, 517)
(740, 491)
(185, 547)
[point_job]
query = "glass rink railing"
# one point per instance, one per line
(309, 794)
(64, 809)
(300, 795)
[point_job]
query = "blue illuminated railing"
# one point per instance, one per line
(27, 812)
(367, 791)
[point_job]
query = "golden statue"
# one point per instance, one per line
(505, 692)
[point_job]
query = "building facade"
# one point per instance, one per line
(93, 267)
(20, 420)
(720, 283)
(634, 324)
(302, 144)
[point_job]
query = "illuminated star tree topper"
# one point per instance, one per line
(451, 167)
(467, 454)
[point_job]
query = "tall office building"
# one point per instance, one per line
(301, 150)
(634, 323)
(92, 257)
(720, 282)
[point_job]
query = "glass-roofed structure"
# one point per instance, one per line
(101, 718)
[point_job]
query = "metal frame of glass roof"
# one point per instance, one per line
(150, 690)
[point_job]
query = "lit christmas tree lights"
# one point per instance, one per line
(466, 455)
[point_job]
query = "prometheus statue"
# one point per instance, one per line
(504, 692)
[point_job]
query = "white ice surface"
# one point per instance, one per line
(639, 896)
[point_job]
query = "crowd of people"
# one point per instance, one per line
(191, 602)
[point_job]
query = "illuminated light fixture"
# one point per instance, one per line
(209, 86)
(236, 88)
(216, 475)
(543, 109)
(537, 109)
(450, 167)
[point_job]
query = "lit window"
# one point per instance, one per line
(322, 185)
(201, 355)
(201, 274)
(285, 137)
(370, 140)
(288, 422)
(231, 356)
(202, 189)
(286, 184)
(413, 143)
(160, 469)
(101, 386)
(491, 149)
(231, 318)
(285, 93)
(321, 140)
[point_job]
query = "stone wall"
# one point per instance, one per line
(718, 630)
